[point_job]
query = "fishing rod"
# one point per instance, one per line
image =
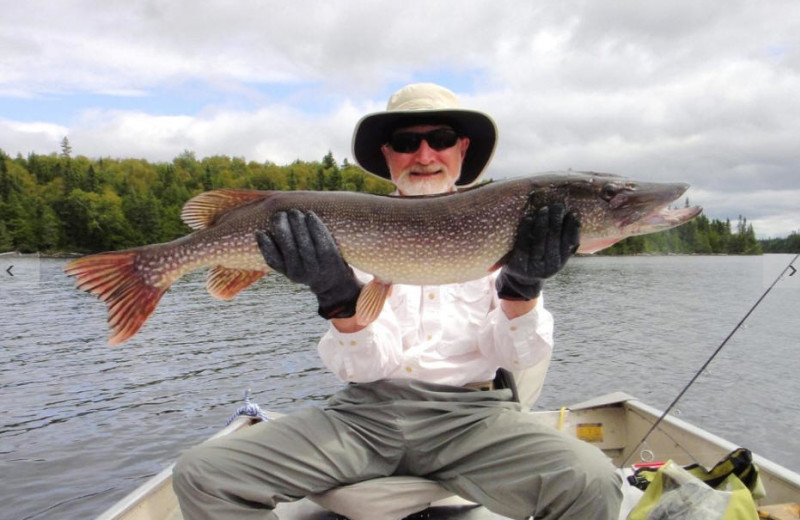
(780, 277)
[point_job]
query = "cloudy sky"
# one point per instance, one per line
(706, 92)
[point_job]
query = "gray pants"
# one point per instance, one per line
(477, 444)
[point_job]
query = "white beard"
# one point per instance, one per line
(430, 185)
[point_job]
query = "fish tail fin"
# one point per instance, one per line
(113, 278)
(224, 283)
(370, 301)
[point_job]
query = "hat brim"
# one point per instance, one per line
(373, 131)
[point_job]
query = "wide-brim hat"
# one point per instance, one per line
(425, 103)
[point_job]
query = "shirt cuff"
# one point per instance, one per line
(365, 336)
(530, 335)
(366, 355)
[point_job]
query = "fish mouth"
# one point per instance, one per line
(665, 218)
(640, 209)
(647, 204)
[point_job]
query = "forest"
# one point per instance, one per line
(59, 204)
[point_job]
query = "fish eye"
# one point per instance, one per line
(609, 191)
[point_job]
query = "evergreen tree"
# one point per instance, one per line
(92, 183)
(6, 241)
(66, 148)
(328, 162)
(789, 244)
(47, 228)
(143, 214)
(319, 182)
(5, 179)
(207, 183)
(333, 180)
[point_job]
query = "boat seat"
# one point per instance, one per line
(400, 496)
(387, 497)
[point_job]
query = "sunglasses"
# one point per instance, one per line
(409, 142)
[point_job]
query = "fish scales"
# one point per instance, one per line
(428, 241)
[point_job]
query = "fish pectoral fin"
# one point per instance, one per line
(500, 263)
(224, 282)
(370, 301)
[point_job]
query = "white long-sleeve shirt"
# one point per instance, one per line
(450, 334)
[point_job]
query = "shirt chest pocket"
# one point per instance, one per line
(471, 300)
(467, 307)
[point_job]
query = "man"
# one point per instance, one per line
(425, 400)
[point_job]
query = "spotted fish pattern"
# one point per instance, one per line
(428, 240)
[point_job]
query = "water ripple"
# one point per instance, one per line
(83, 423)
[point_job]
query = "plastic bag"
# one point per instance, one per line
(674, 493)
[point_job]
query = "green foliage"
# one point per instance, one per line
(699, 236)
(66, 148)
(57, 202)
(790, 244)
(6, 240)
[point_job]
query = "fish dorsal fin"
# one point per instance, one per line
(204, 209)
(224, 283)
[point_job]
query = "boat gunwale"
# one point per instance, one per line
(767, 467)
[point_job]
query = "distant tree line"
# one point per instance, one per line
(59, 203)
(790, 244)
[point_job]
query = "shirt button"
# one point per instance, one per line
(513, 328)
(431, 296)
(353, 343)
(408, 369)
(430, 337)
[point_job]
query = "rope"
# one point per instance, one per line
(249, 409)
(561, 415)
(780, 277)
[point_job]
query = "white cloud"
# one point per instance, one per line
(31, 137)
(274, 133)
(703, 92)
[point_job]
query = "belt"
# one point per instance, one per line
(481, 385)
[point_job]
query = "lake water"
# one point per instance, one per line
(83, 423)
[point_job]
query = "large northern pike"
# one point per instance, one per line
(430, 240)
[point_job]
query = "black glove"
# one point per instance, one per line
(302, 248)
(545, 241)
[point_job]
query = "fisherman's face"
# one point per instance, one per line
(425, 170)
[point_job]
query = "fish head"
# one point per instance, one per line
(612, 208)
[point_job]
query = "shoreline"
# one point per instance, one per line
(17, 254)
